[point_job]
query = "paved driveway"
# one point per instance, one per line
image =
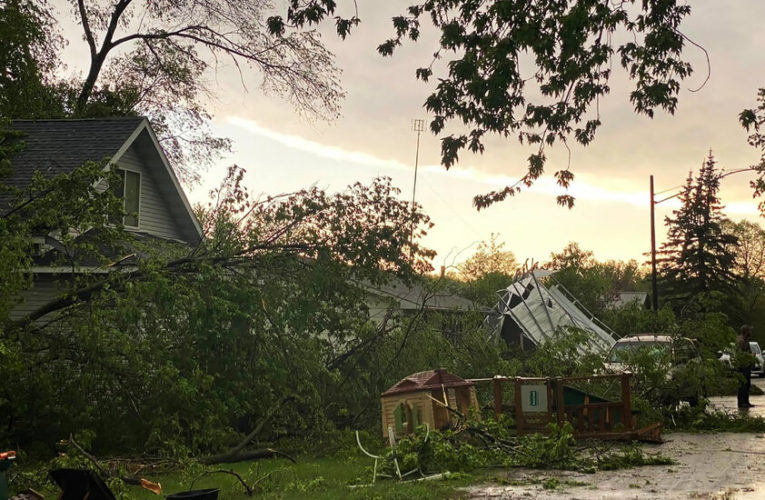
(729, 403)
(722, 466)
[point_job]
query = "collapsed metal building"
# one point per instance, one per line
(535, 308)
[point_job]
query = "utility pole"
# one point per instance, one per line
(654, 287)
(418, 126)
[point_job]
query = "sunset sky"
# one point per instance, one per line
(283, 151)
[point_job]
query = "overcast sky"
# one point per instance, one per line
(282, 151)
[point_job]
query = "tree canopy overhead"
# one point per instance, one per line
(165, 38)
(535, 69)
(28, 59)
(152, 57)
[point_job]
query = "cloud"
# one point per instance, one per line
(316, 148)
(582, 188)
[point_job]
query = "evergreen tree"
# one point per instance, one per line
(697, 258)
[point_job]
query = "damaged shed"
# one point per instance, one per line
(534, 307)
(408, 403)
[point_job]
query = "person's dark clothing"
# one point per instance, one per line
(745, 371)
(745, 384)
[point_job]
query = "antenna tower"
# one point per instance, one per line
(418, 126)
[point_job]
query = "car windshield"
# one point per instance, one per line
(623, 351)
(755, 347)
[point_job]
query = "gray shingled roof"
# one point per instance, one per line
(412, 297)
(59, 146)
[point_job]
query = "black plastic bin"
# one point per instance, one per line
(77, 484)
(208, 494)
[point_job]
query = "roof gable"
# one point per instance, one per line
(59, 146)
(146, 144)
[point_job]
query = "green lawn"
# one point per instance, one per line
(315, 478)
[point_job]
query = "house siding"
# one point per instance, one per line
(44, 290)
(378, 308)
(154, 215)
(60, 146)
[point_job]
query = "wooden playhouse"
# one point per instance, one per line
(408, 403)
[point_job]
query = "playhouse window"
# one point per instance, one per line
(406, 417)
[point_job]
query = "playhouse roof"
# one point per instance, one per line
(425, 381)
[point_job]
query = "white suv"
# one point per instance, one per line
(667, 367)
(674, 350)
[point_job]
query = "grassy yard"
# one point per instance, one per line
(317, 478)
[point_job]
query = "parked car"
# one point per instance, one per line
(666, 368)
(676, 350)
(757, 371)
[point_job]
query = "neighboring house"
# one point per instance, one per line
(624, 299)
(409, 299)
(155, 204)
(420, 298)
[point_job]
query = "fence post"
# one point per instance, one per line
(560, 402)
(627, 402)
(497, 397)
(520, 421)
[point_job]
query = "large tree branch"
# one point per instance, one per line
(119, 9)
(86, 28)
(98, 58)
(379, 333)
(214, 41)
(159, 35)
(89, 291)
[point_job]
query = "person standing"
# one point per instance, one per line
(744, 363)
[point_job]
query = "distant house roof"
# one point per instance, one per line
(416, 296)
(55, 147)
(426, 381)
(623, 299)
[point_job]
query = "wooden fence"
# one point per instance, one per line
(540, 401)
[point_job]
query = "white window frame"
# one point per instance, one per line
(140, 190)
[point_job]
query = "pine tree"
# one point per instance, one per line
(698, 257)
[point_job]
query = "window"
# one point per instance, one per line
(129, 189)
(407, 418)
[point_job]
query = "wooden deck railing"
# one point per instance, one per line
(590, 419)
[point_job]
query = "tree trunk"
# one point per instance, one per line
(235, 454)
(228, 457)
(90, 82)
